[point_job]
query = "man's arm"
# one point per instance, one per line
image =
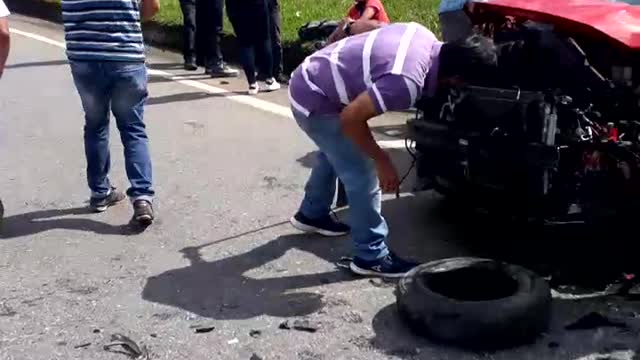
(149, 9)
(5, 41)
(389, 93)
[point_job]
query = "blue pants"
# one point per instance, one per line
(120, 88)
(340, 157)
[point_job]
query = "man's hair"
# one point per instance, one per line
(472, 59)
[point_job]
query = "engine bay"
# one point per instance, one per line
(554, 131)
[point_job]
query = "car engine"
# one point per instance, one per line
(553, 134)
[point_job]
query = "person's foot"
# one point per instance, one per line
(102, 204)
(143, 212)
(390, 266)
(222, 71)
(272, 84)
(326, 225)
(254, 89)
(282, 79)
(190, 65)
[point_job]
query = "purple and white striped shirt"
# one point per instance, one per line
(392, 64)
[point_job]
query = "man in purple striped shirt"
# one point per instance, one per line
(336, 91)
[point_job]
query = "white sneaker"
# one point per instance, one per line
(254, 89)
(272, 84)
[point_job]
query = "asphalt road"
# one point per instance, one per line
(229, 171)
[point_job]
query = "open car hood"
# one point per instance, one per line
(618, 21)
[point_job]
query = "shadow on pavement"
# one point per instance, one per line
(190, 96)
(394, 338)
(221, 290)
(41, 221)
(37, 63)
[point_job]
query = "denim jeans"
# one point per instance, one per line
(122, 89)
(340, 157)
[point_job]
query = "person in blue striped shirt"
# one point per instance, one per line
(5, 40)
(106, 54)
(454, 22)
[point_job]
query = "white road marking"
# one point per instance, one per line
(260, 104)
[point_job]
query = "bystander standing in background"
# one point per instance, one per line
(5, 40)
(202, 33)
(251, 23)
(361, 10)
(5, 37)
(454, 22)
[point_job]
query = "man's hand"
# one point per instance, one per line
(354, 119)
(388, 175)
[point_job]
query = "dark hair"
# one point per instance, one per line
(472, 58)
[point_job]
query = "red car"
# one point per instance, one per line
(552, 135)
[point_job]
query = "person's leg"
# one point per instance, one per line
(276, 39)
(95, 95)
(455, 25)
(357, 172)
(129, 95)
(188, 8)
(241, 21)
(215, 65)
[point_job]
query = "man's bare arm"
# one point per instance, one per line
(149, 9)
(353, 119)
(5, 42)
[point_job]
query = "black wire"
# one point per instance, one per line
(413, 164)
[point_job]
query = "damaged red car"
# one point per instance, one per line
(553, 135)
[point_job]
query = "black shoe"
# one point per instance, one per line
(190, 65)
(282, 79)
(222, 72)
(391, 266)
(326, 225)
(102, 204)
(143, 212)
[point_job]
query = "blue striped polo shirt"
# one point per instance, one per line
(103, 30)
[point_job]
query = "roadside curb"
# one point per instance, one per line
(167, 37)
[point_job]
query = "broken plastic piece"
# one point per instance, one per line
(127, 347)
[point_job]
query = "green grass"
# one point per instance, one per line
(296, 13)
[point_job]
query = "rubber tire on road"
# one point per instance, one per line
(504, 322)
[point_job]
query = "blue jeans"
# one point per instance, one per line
(120, 88)
(340, 157)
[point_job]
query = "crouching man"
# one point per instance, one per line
(334, 93)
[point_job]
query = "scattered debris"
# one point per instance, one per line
(382, 282)
(233, 341)
(255, 333)
(593, 321)
(344, 262)
(255, 357)
(202, 329)
(353, 317)
(82, 346)
(121, 344)
(309, 355)
(300, 325)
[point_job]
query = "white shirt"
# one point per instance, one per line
(4, 12)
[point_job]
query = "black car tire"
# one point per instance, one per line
(447, 301)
